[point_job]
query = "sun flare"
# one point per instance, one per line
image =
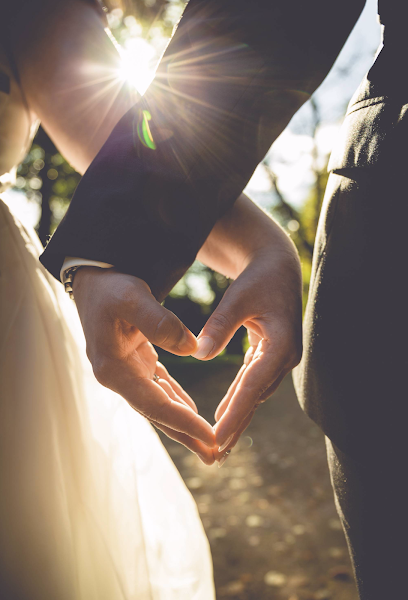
(137, 66)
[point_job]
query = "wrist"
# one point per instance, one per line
(277, 252)
(83, 273)
(276, 265)
(244, 235)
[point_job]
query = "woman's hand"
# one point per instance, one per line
(120, 318)
(266, 297)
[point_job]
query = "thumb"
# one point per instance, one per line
(220, 327)
(159, 325)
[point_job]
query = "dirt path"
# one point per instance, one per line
(269, 511)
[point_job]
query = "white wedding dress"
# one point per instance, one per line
(91, 506)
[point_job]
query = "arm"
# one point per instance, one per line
(134, 198)
(231, 78)
(245, 245)
(66, 65)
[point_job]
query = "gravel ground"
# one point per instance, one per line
(268, 512)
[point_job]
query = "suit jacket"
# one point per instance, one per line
(231, 78)
(393, 13)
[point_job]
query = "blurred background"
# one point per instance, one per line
(268, 512)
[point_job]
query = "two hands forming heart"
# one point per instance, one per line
(122, 319)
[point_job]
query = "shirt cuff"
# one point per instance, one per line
(74, 261)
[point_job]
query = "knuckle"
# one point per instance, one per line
(190, 420)
(260, 401)
(219, 322)
(101, 369)
(205, 458)
(128, 296)
(295, 355)
(149, 415)
(156, 411)
(298, 355)
(166, 329)
(89, 353)
(159, 413)
(287, 348)
(255, 389)
(264, 396)
(153, 351)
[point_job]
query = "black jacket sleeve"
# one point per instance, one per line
(231, 78)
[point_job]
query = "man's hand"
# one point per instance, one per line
(120, 318)
(266, 297)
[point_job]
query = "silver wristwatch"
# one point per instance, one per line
(68, 279)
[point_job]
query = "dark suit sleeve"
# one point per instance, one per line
(231, 78)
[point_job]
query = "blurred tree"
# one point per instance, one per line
(146, 15)
(47, 178)
(301, 224)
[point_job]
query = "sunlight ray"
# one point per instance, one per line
(99, 95)
(90, 82)
(202, 58)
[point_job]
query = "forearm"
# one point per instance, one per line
(243, 232)
(68, 70)
(231, 79)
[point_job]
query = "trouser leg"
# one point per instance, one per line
(352, 379)
(371, 502)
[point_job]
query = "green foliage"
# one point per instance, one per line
(308, 221)
(148, 19)
(47, 178)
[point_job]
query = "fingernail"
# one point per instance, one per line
(205, 346)
(223, 459)
(225, 444)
